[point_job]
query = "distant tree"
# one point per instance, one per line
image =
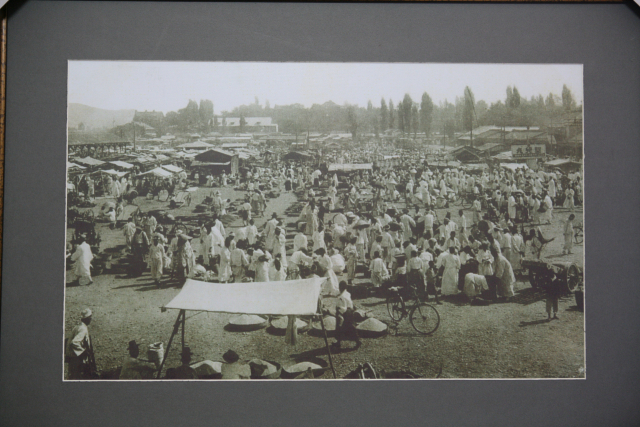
(392, 114)
(372, 118)
(550, 101)
(224, 124)
(415, 120)
(401, 124)
(509, 101)
(450, 128)
(426, 114)
(383, 115)
(243, 123)
(352, 121)
(468, 110)
(214, 122)
(567, 98)
(257, 102)
(405, 110)
(267, 106)
(516, 98)
(190, 116)
(540, 102)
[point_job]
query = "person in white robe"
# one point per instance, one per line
(156, 259)
(82, 265)
(270, 232)
(504, 272)
(300, 241)
(517, 250)
(330, 286)
(277, 272)
(486, 260)
(548, 214)
(318, 238)
(252, 233)
(451, 264)
(474, 284)
(262, 267)
(129, 230)
(379, 271)
(512, 207)
(224, 267)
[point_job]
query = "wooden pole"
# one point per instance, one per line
(166, 353)
(184, 321)
(326, 342)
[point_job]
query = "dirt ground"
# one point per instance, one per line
(503, 340)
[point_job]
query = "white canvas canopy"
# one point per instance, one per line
(172, 168)
(293, 297)
(89, 161)
(159, 172)
(514, 166)
(348, 167)
(121, 164)
(114, 172)
(71, 165)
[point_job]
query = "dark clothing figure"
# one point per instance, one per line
(139, 248)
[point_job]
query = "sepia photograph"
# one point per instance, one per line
(324, 220)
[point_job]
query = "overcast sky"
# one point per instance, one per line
(167, 86)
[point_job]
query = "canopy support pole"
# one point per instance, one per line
(184, 322)
(166, 353)
(326, 342)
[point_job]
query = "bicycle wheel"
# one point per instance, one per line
(394, 307)
(579, 235)
(425, 318)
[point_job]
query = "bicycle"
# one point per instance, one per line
(424, 317)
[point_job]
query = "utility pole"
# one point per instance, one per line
(134, 136)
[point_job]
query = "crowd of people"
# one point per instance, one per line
(380, 224)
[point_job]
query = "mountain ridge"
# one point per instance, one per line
(97, 118)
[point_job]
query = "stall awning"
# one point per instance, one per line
(172, 168)
(71, 165)
(559, 162)
(89, 161)
(121, 164)
(293, 297)
(348, 167)
(159, 172)
(514, 166)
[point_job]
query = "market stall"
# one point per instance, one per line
(283, 298)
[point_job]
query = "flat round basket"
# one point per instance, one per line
(372, 328)
(265, 369)
(208, 369)
(318, 368)
(247, 322)
(279, 326)
(329, 325)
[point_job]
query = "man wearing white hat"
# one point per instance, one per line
(78, 350)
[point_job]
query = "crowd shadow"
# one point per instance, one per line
(533, 322)
(527, 296)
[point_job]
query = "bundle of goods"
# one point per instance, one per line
(279, 326)
(208, 369)
(329, 326)
(262, 369)
(313, 369)
(372, 328)
(247, 322)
